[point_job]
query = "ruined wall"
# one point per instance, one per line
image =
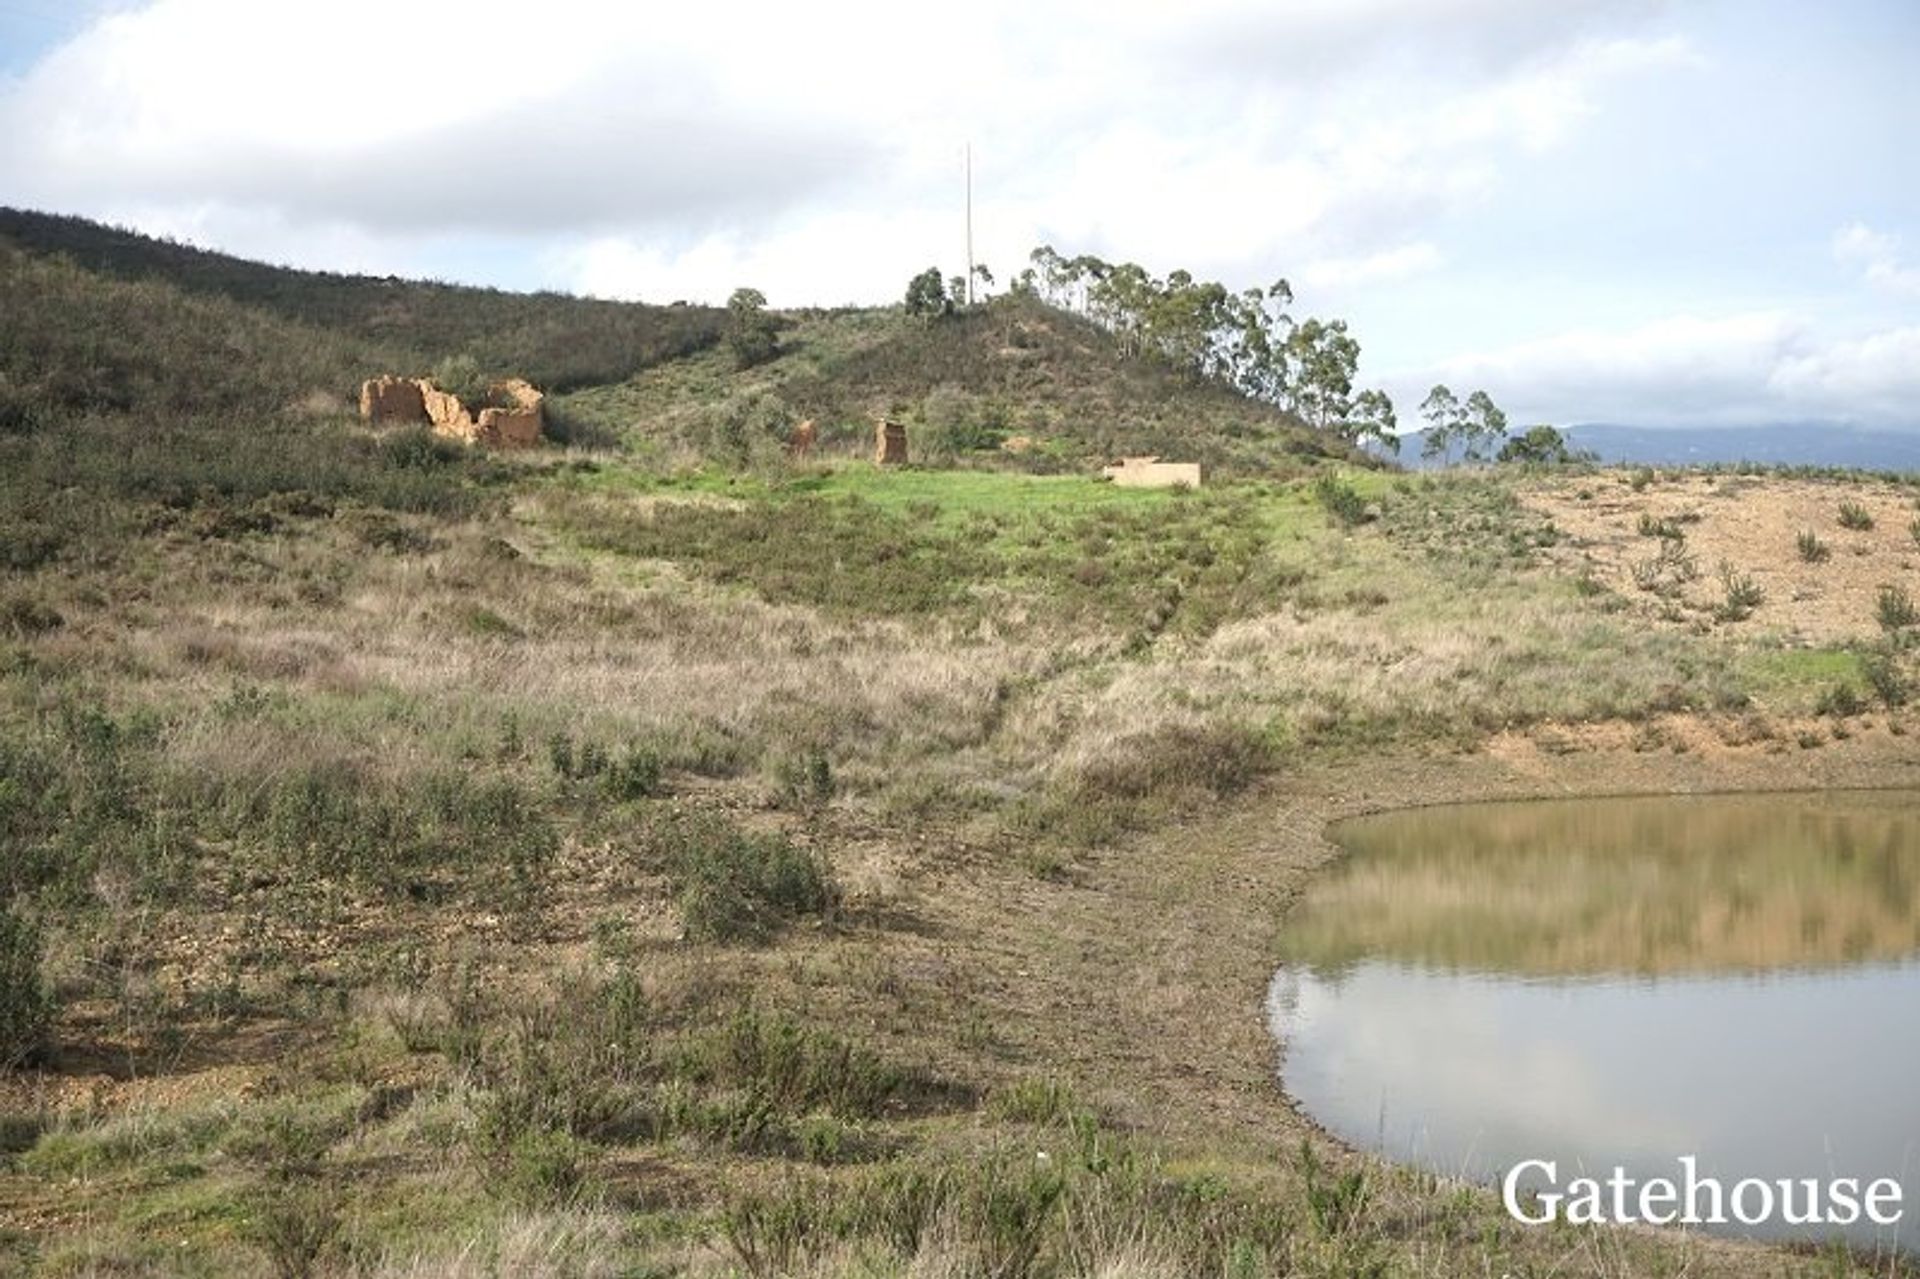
(518, 427)
(391, 399)
(889, 443)
(1152, 473)
(388, 400)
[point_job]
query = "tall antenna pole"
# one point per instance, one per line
(969, 223)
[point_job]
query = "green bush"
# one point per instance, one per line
(635, 775)
(1340, 499)
(1743, 595)
(1841, 701)
(1884, 677)
(733, 885)
(803, 780)
(1668, 529)
(417, 448)
(1855, 516)
(793, 1068)
(1812, 549)
(26, 1006)
(1895, 608)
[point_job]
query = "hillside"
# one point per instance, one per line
(118, 321)
(1014, 374)
(667, 857)
(555, 340)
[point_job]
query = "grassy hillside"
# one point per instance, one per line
(73, 341)
(415, 862)
(556, 341)
(122, 321)
(1012, 370)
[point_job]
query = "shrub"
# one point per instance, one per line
(1334, 1203)
(1668, 529)
(803, 780)
(296, 1224)
(1743, 595)
(1855, 516)
(1884, 677)
(1218, 760)
(1812, 549)
(635, 775)
(1895, 608)
(792, 1068)
(1841, 701)
(1341, 501)
(26, 1006)
(733, 885)
(417, 448)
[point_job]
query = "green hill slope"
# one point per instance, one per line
(555, 340)
(73, 341)
(1016, 370)
(112, 321)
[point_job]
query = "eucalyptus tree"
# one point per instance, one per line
(1485, 427)
(1446, 420)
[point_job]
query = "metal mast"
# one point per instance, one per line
(969, 223)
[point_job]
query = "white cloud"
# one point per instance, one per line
(1396, 263)
(1740, 368)
(1877, 257)
(1879, 373)
(1200, 137)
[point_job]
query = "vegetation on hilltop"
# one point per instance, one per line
(1013, 373)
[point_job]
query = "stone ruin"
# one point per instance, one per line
(1151, 473)
(516, 424)
(800, 442)
(889, 443)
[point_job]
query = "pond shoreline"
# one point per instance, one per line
(1175, 946)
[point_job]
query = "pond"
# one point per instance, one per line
(1620, 983)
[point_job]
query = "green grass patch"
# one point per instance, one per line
(1799, 672)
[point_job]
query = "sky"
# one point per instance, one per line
(1650, 212)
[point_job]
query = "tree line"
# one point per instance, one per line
(1251, 341)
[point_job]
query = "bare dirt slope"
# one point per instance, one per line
(1750, 525)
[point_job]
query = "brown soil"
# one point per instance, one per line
(1750, 524)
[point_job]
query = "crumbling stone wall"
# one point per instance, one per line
(391, 399)
(889, 443)
(518, 425)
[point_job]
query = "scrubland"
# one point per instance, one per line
(633, 858)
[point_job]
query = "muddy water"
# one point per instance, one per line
(1618, 983)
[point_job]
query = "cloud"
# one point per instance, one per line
(425, 117)
(1739, 368)
(1876, 257)
(697, 135)
(1374, 268)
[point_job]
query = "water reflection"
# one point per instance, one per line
(1650, 886)
(1620, 982)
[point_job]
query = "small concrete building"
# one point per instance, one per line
(1152, 473)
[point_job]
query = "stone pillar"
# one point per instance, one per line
(889, 444)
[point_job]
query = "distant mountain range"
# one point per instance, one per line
(1775, 444)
